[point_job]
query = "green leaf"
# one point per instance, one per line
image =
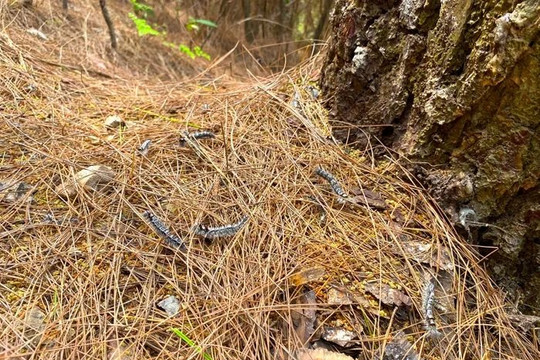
(186, 50)
(205, 22)
(201, 53)
(143, 8)
(192, 23)
(191, 27)
(190, 342)
(192, 53)
(143, 28)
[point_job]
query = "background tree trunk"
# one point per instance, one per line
(454, 85)
(110, 24)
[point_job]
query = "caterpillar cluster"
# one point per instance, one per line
(221, 231)
(334, 184)
(163, 231)
(196, 135)
(428, 300)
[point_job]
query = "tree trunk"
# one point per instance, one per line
(248, 23)
(453, 85)
(110, 25)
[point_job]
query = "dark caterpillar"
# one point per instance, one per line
(334, 184)
(164, 232)
(428, 300)
(196, 135)
(221, 231)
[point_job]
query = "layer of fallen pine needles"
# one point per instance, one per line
(81, 275)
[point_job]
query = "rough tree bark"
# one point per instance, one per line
(455, 86)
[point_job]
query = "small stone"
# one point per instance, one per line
(114, 122)
(338, 336)
(170, 305)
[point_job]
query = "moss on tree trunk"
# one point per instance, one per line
(453, 84)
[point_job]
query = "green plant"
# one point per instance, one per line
(192, 53)
(190, 342)
(193, 24)
(143, 27)
(142, 8)
(201, 53)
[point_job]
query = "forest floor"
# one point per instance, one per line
(376, 274)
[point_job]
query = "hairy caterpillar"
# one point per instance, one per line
(196, 135)
(163, 231)
(144, 148)
(221, 231)
(428, 300)
(334, 184)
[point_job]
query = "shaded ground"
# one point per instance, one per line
(82, 275)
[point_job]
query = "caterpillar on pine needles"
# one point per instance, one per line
(428, 300)
(163, 231)
(196, 135)
(334, 184)
(221, 231)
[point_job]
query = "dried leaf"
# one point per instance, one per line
(338, 336)
(37, 33)
(525, 322)
(114, 121)
(14, 191)
(337, 297)
(388, 295)
(399, 349)
(304, 320)
(321, 354)
(35, 325)
(93, 178)
(426, 254)
(360, 300)
(35, 319)
(368, 198)
(307, 275)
